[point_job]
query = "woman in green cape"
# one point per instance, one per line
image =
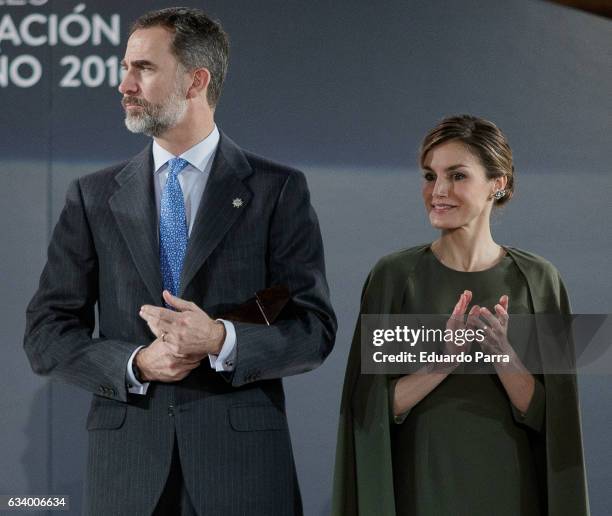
(436, 443)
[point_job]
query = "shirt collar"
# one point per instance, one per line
(198, 156)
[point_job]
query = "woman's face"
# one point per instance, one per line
(456, 190)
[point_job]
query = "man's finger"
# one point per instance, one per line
(155, 329)
(157, 314)
(176, 302)
(183, 361)
(179, 358)
(152, 326)
(156, 325)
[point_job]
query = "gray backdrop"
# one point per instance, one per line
(344, 91)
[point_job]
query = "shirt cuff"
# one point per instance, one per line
(534, 416)
(133, 385)
(225, 361)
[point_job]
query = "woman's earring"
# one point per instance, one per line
(499, 194)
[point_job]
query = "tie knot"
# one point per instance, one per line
(176, 165)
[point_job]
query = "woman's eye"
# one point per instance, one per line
(428, 176)
(458, 176)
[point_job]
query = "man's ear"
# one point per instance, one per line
(199, 83)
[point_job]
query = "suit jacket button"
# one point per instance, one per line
(171, 410)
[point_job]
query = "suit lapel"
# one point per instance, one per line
(133, 206)
(225, 198)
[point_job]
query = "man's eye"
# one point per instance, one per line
(458, 176)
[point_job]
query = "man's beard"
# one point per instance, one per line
(155, 119)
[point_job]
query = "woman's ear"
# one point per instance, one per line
(501, 182)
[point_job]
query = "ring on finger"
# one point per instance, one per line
(163, 336)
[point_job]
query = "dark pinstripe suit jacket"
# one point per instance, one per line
(231, 428)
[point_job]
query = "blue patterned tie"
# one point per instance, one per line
(172, 228)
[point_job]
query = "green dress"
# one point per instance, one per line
(376, 458)
(464, 449)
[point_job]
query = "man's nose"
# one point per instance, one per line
(128, 86)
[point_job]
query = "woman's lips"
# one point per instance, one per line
(442, 208)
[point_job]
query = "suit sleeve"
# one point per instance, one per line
(302, 341)
(60, 318)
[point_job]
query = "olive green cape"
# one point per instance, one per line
(363, 478)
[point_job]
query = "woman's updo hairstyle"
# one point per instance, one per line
(483, 139)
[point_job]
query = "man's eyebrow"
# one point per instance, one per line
(138, 63)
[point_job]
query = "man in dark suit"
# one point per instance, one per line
(188, 410)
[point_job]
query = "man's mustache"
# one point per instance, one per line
(134, 101)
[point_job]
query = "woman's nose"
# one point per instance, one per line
(441, 188)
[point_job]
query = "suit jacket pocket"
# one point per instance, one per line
(106, 415)
(252, 417)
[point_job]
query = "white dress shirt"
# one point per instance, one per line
(193, 180)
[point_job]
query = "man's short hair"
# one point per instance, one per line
(199, 42)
